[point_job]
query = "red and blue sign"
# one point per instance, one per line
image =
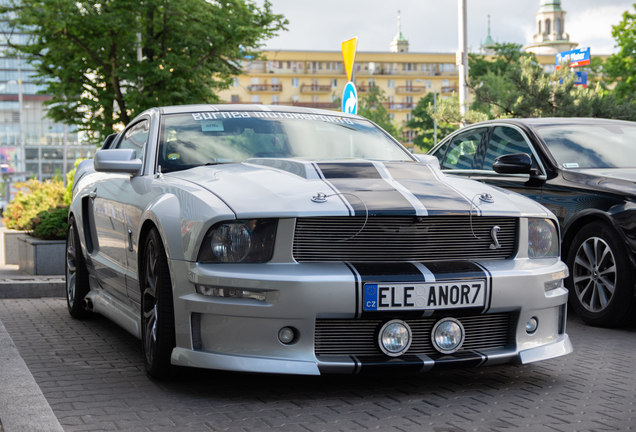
(580, 78)
(575, 58)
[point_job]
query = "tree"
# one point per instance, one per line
(424, 124)
(621, 67)
(85, 53)
(505, 56)
(373, 106)
(527, 91)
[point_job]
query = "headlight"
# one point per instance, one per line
(244, 241)
(543, 240)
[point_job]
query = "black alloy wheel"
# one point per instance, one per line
(157, 308)
(77, 285)
(601, 281)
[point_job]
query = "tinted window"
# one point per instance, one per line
(439, 154)
(135, 138)
(592, 146)
(506, 140)
(193, 139)
(462, 150)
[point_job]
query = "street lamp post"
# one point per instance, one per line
(462, 61)
(21, 155)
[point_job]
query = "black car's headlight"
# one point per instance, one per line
(244, 241)
(543, 238)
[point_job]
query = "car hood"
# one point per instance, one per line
(295, 188)
(619, 180)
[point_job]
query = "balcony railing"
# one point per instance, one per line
(410, 89)
(316, 88)
(265, 88)
(399, 105)
(320, 105)
(450, 89)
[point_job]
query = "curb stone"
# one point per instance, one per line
(23, 407)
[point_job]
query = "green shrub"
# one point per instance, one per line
(51, 224)
(32, 198)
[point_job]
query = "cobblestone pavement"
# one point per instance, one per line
(91, 373)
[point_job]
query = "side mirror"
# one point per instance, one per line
(516, 163)
(117, 161)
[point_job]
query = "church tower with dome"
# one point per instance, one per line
(551, 37)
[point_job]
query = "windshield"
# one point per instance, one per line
(195, 139)
(592, 146)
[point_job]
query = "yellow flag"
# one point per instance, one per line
(349, 55)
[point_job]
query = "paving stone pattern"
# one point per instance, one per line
(91, 373)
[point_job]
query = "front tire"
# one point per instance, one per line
(601, 280)
(77, 285)
(157, 309)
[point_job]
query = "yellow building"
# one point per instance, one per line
(315, 78)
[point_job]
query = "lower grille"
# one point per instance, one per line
(359, 337)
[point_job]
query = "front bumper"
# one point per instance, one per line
(242, 334)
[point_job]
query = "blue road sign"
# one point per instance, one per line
(350, 99)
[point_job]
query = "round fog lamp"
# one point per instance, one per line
(394, 338)
(448, 335)
(286, 335)
(531, 325)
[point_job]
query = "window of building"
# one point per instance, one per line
(275, 99)
(235, 82)
(289, 65)
(539, 23)
(409, 116)
(315, 98)
(295, 98)
(372, 82)
(236, 98)
(390, 84)
(547, 26)
(392, 116)
(334, 83)
(428, 68)
(409, 83)
(254, 80)
(256, 98)
(294, 82)
(428, 84)
(275, 80)
(445, 83)
(557, 26)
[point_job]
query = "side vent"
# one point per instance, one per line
(87, 216)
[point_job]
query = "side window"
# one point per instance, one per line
(462, 150)
(506, 140)
(439, 154)
(135, 138)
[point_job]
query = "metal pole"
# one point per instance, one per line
(435, 111)
(21, 155)
(462, 60)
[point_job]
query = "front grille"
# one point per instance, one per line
(403, 238)
(359, 337)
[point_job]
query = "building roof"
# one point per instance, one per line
(550, 6)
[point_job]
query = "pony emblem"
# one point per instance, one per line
(495, 242)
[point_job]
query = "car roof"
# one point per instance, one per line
(557, 121)
(180, 109)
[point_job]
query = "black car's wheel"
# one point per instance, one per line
(157, 309)
(76, 274)
(601, 280)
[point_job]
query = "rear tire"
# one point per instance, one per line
(77, 285)
(157, 308)
(601, 280)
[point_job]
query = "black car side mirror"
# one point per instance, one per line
(516, 163)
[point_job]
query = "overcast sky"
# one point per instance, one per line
(431, 25)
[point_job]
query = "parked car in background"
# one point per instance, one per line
(289, 240)
(584, 170)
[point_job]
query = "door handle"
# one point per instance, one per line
(92, 194)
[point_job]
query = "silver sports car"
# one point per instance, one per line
(287, 240)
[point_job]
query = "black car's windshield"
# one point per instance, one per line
(592, 145)
(202, 138)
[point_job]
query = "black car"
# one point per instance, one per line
(583, 170)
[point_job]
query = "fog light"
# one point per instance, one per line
(286, 335)
(448, 335)
(231, 293)
(394, 338)
(531, 325)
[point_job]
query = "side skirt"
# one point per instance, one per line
(120, 313)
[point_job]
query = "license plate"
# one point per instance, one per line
(433, 295)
